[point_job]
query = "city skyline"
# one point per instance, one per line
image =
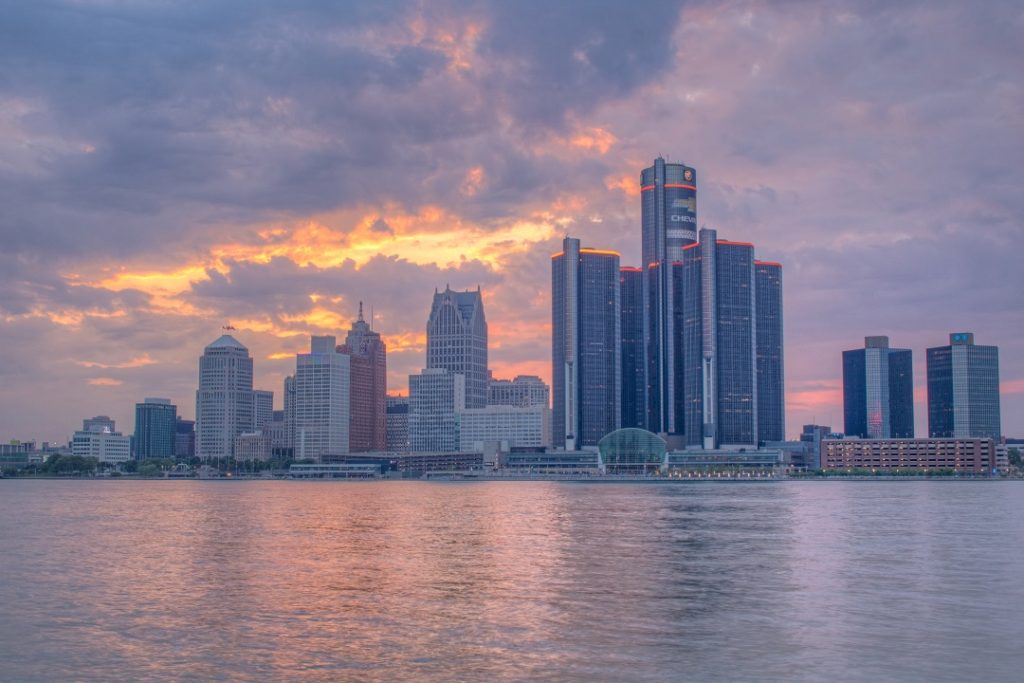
(133, 233)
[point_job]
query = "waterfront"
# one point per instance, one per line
(438, 581)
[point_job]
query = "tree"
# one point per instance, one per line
(1013, 455)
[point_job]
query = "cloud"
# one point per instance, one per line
(167, 168)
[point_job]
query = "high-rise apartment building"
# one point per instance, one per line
(725, 369)
(878, 391)
(224, 400)
(263, 408)
(668, 205)
(155, 428)
(397, 408)
(631, 299)
(963, 389)
(586, 344)
(368, 363)
(436, 396)
(457, 340)
(322, 379)
(771, 395)
(522, 391)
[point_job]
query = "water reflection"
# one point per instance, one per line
(324, 581)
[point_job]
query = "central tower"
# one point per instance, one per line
(668, 205)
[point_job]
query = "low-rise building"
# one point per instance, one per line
(513, 426)
(106, 446)
(253, 446)
(973, 456)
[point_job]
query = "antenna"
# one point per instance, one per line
(360, 311)
(371, 316)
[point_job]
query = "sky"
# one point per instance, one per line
(169, 168)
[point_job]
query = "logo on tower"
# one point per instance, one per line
(688, 175)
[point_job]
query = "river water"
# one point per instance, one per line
(507, 581)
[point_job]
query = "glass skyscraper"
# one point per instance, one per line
(668, 206)
(586, 344)
(631, 297)
(963, 389)
(771, 395)
(726, 365)
(457, 340)
(155, 427)
(878, 391)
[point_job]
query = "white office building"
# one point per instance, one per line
(322, 379)
(510, 426)
(104, 445)
(436, 397)
(224, 401)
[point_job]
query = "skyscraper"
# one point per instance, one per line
(368, 363)
(668, 205)
(963, 389)
(771, 395)
(224, 401)
(155, 428)
(586, 344)
(631, 298)
(436, 396)
(289, 410)
(878, 391)
(457, 340)
(725, 366)
(321, 401)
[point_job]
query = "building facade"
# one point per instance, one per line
(321, 401)
(457, 340)
(98, 424)
(878, 391)
(523, 390)
(397, 413)
(512, 426)
(631, 313)
(263, 408)
(436, 397)
(224, 400)
(368, 363)
(253, 446)
(668, 207)
(586, 345)
(725, 369)
(289, 410)
(963, 389)
(184, 438)
(155, 428)
(112, 448)
(771, 390)
(975, 456)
